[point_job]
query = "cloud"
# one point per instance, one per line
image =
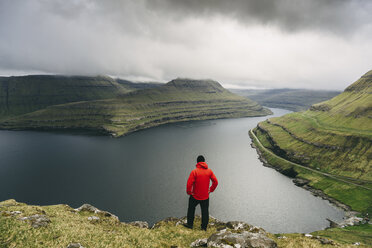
(313, 44)
(337, 16)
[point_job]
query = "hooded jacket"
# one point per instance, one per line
(199, 180)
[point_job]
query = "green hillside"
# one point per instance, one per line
(23, 225)
(178, 100)
(291, 99)
(23, 94)
(333, 137)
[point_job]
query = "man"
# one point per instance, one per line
(198, 189)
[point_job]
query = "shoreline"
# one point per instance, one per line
(303, 183)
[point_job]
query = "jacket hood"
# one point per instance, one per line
(202, 165)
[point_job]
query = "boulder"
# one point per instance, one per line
(141, 224)
(300, 182)
(244, 239)
(89, 208)
(199, 243)
(325, 241)
(37, 220)
(239, 225)
(183, 221)
(352, 221)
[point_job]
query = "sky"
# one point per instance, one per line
(314, 44)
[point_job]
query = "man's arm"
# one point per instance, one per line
(190, 183)
(214, 182)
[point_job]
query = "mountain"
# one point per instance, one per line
(19, 95)
(333, 137)
(178, 100)
(291, 99)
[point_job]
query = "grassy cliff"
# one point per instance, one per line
(178, 100)
(333, 137)
(61, 225)
(23, 94)
(291, 99)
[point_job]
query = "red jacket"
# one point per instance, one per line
(198, 182)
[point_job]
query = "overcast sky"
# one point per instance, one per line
(319, 44)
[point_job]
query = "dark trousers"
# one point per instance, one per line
(204, 205)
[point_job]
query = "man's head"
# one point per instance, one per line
(200, 159)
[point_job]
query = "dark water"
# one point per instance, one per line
(142, 176)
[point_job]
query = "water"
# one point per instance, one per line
(143, 176)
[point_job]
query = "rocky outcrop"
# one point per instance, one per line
(226, 239)
(320, 107)
(236, 234)
(37, 220)
(199, 243)
(91, 209)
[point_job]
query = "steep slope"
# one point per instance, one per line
(178, 100)
(19, 95)
(334, 136)
(291, 99)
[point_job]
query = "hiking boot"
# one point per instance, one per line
(187, 226)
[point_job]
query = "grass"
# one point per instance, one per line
(68, 226)
(357, 198)
(350, 234)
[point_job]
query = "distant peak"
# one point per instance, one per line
(197, 84)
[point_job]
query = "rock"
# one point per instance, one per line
(93, 219)
(325, 241)
(333, 224)
(219, 225)
(140, 224)
(199, 243)
(356, 243)
(182, 221)
(308, 235)
(75, 245)
(352, 221)
(37, 220)
(87, 207)
(300, 182)
(237, 225)
(242, 239)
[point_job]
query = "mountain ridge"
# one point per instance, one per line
(179, 100)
